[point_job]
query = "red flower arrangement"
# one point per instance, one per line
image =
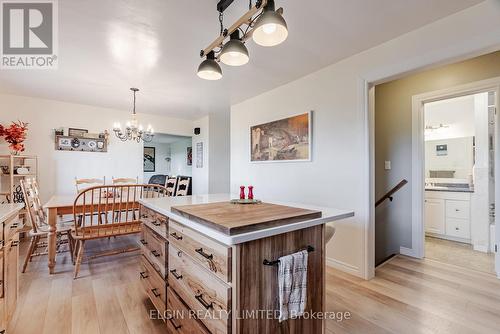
(15, 135)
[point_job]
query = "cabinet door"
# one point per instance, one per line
(11, 279)
(434, 216)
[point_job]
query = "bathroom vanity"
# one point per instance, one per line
(448, 214)
(209, 266)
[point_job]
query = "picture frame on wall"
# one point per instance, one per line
(149, 159)
(189, 157)
(72, 132)
(284, 140)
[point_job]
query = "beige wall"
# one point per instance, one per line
(393, 107)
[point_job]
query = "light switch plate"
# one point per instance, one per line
(387, 165)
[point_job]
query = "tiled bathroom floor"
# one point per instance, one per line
(459, 254)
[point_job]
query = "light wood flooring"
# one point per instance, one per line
(406, 296)
(459, 254)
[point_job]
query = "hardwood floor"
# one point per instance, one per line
(415, 296)
(406, 296)
(107, 298)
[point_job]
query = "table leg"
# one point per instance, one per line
(52, 218)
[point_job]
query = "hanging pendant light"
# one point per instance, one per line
(270, 28)
(234, 52)
(209, 69)
(133, 130)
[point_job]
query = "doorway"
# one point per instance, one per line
(455, 145)
(168, 157)
(459, 192)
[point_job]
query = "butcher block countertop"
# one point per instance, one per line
(233, 219)
(233, 224)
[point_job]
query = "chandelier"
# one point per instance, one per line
(133, 130)
(262, 22)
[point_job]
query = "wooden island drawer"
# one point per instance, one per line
(154, 248)
(210, 254)
(181, 319)
(154, 285)
(200, 290)
(155, 221)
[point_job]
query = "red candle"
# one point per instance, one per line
(250, 192)
(242, 192)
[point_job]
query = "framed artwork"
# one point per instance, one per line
(287, 139)
(77, 132)
(190, 156)
(149, 159)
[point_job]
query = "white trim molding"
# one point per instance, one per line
(343, 266)
(418, 154)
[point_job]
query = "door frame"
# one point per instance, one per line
(418, 157)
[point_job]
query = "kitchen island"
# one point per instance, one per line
(209, 266)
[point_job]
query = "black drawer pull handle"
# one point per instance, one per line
(155, 253)
(175, 274)
(205, 255)
(203, 302)
(173, 323)
(175, 236)
(155, 223)
(144, 242)
(15, 225)
(14, 243)
(155, 292)
(143, 274)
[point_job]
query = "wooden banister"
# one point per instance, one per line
(391, 192)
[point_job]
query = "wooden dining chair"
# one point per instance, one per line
(171, 185)
(82, 184)
(39, 224)
(183, 187)
(125, 180)
(109, 211)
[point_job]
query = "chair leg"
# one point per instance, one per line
(32, 247)
(70, 244)
(80, 247)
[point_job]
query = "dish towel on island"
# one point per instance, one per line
(292, 284)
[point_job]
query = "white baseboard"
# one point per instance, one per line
(480, 248)
(407, 251)
(345, 267)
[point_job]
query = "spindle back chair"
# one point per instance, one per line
(109, 211)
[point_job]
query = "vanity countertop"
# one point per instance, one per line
(450, 189)
(165, 206)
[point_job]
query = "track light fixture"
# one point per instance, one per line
(262, 22)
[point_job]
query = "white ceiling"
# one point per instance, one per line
(107, 46)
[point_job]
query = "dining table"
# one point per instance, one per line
(60, 205)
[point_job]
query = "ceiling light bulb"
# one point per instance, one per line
(270, 28)
(209, 69)
(234, 52)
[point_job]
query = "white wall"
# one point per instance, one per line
(338, 174)
(457, 114)
(58, 169)
(162, 166)
(219, 161)
(201, 175)
(178, 151)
